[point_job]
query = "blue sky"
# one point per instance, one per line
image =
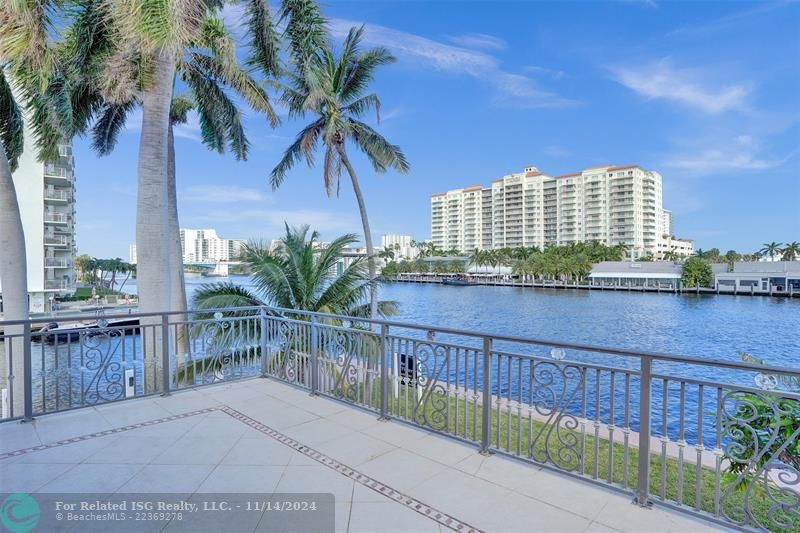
(706, 93)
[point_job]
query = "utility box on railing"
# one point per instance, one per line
(130, 383)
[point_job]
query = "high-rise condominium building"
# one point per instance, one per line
(46, 197)
(609, 204)
(201, 245)
(400, 244)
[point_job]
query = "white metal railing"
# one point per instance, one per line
(56, 194)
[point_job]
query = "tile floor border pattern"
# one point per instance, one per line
(412, 503)
(104, 433)
(383, 489)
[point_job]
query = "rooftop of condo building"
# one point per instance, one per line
(532, 172)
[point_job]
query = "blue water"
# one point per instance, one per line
(704, 326)
(709, 326)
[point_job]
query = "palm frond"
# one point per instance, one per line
(221, 295)
(305, 29)
(303, 146)
(226, 71)
(361, 72)
(358, 107)
(179, 109)
(220, 119)
(263, 39)
(379, 151)
(110, 122)
(26, 28)
(11, 123)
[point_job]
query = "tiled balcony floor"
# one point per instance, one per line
(262, 436)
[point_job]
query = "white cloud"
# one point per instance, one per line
(217, 194)
(190, 130)
(511, 89)
(740, 153)
(534, 69)
(255, 223)
(556, 151)
(663, 80)
(479, 40)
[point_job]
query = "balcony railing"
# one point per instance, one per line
(56, 195)
(55, 262)
(714, 438)
(55, 284)
(55, 218)
(56, 171)
(55, 240)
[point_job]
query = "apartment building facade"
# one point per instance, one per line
(46, 197)
(401, 244)
(609, 204)
(204, 245)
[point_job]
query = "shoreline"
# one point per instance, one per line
(437, 279)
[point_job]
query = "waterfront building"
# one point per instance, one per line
(132, 253)
(401, 244)
(663, 274)
(609, 204)
(680, 247)
(46, 196)
(760, 276)
(204, 245)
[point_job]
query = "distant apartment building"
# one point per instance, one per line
(132, 253)
(46, 196)
(401, 244)
(609, 204)
(204, 245)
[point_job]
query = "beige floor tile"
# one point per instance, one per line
(401, 469)
(388, 517)
(93, 478)
(237, 478)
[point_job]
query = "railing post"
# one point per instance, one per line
(166, 367)
(384, 359)
(263, 341)
(486, 413)
(643, 484)
(314, 355)
(27, 378)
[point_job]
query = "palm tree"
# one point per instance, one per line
(791, 251)
(332, 88)
(386, 254)
(202, 56)
(771, 249)
(299, 275)
(31, 79)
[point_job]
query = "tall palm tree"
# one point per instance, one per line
(206, 64)
(299, 275)
(31, 81)
(333, 90)
(132, 54)
(791, 251)
(771, 249)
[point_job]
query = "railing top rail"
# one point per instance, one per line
(655, 356)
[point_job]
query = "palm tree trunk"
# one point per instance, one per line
(373, 293)
(14, 281)
(177, 300)
(152, 217)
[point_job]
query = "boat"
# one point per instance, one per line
(459, 281)
(52, 333)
